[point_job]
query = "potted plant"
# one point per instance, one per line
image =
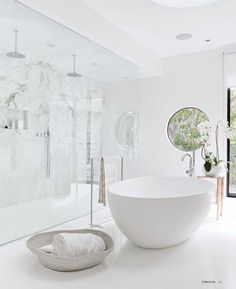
(212, 165)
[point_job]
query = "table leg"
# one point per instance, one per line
(218, 197)
(222, 196)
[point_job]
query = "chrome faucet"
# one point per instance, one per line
(190, 171)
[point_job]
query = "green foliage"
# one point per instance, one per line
(233, 112)
(210, 160)
(232, 171)
(208, 166)
(189, 129)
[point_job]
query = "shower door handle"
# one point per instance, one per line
(48, 159)
(46, 136)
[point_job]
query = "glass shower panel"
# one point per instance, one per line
(87, 143)
(52, 123)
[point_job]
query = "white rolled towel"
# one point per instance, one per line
(74, 245)
(47, 249)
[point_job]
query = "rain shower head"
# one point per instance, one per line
(15, 53)
(74, 73)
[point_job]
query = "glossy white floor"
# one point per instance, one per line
(209, 256)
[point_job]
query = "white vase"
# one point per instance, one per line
(216, 171)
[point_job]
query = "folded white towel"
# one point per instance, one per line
(47, 249)
(73, 245)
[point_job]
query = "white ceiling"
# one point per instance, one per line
(156, 26)
(185, 3)
(41, 39)
(142, 30)
(80, 17)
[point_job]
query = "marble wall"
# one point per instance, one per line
(35, 97)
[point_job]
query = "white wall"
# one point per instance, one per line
(119, 97)
(230, 69)
(189, 80)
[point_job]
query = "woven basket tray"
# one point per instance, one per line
(68, 264)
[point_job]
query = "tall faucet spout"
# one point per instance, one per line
(190, 171)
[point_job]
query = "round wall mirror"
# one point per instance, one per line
(188, 129)
(127, 131)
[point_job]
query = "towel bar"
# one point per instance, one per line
(92, 183)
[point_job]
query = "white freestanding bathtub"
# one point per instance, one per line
(155, 212)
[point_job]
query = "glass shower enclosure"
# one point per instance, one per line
(61, 97)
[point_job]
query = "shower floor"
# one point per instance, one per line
(26, 218)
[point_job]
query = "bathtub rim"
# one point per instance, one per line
(111, 189)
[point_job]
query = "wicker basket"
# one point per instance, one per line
(68, 264)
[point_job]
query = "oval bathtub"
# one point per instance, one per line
(155, 212)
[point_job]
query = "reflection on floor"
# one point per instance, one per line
(209, 256)
(30, 217)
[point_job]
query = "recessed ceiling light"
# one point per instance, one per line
(185, 3)
(51, 45)
(184, 36)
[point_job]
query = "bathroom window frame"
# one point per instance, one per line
(228, 145)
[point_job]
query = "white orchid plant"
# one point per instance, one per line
(211, 159)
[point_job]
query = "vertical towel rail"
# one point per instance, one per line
(92, 183)
(121, 168)
(91, 194)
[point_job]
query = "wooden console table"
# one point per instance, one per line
(219, 194)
